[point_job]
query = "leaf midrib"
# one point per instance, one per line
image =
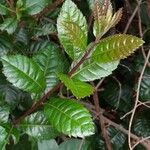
(59, 110)
(23, 74)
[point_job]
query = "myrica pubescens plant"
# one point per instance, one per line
(36, 73)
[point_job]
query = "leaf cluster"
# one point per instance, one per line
(49, 68)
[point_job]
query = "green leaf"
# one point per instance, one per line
(72, 29)
(91, 70)
(38, 127)
(9, 25)
(37, 46)
(43, 30)
(104, 18)
(3, 135)
(78, 88)
(117, 95)
(23, 73)
(21, 35)
(48, 145)
(12, 133)
(74, 144)
(69, 117)
(4, 114)
(3, 10)
(117, 138)
(116, 47)
(142, 123)
(5, 45)
(51, 61)
(35, 6)
(145, 86)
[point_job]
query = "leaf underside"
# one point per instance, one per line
(78, 88)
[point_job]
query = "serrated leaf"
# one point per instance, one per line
(51, 61)
(21, 35)
(35, 6)
(48, 145)
(117, 138)
(37, 126)
(116, 47)
(69, 117)
(72, 29)
(4, 114)
(117, 95)
(23, 73)
(104, 18)
(43, 30)
(9, 25)
(78, 88)
(37, 46)
(3, 134)
(91, 70)
(142, 123)
(3, 10)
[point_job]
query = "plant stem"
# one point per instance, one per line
(50, 7)
(102, 121)
(54, 89)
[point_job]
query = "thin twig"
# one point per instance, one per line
(49, 8)
(137, 98)
(141, 33)
(140, 103)
(102, 121)
(99, 83)
(140, 141)
(131, 18)
(145, 143)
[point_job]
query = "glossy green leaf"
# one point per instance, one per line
(91, 70)
(23, 73)
(48, 145)
(3, 10)
(3, 135)
(38, 127)
(72, 29)
(78, 88)
(9, 25)
(116, 47)
(51, 61)
(69, 117)
(4, 114)
(33, 7)
(104, 18)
